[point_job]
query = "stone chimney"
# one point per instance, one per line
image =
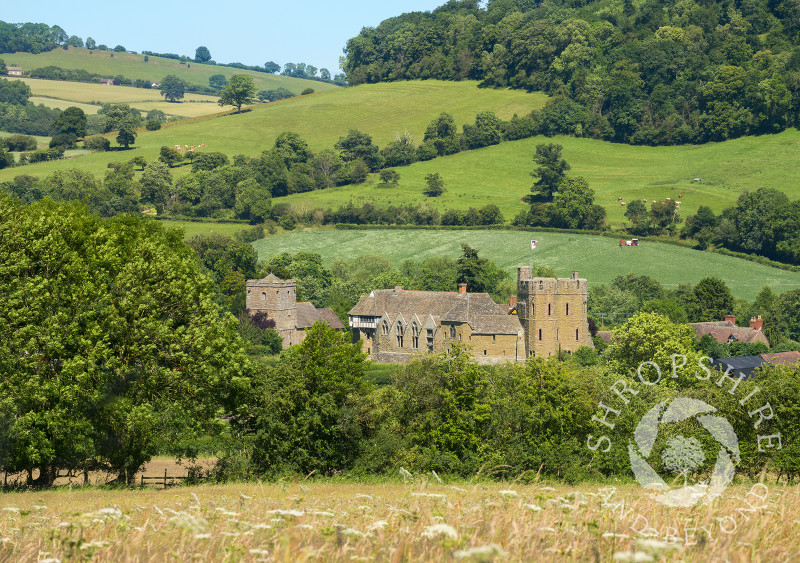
(756, 323)
(512, 301)
(574, 274)
(462, 288)
(523, 273)
(730, 318)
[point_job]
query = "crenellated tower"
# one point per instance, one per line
(552, 313)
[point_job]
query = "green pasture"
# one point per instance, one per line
(133, 66)
(501, 175)
(382, 110)
(192, 228)
(598, 259)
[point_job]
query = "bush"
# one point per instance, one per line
(19, 143)
(153, 125)
(65, 140)
(44, 155)
(97, 143)
(307, 91)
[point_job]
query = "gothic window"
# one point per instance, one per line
(263, 296)
(414, 336)
(399, 336)
(385, 328)
(453, 331)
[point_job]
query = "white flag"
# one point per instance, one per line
(533, 244)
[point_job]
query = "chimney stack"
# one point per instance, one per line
(730, 318)
(462, 288)
(756, 323)
(512, 301)
(574, 274)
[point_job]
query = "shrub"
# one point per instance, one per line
(65, 140)
(97, 143)
(307, 91)
(19, 143)
(153, 125)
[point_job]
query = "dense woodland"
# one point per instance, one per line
(647, 72)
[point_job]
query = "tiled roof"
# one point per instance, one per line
(724, 331)
(326, 314)
(307, 315)
(784, 358)
(495, 324)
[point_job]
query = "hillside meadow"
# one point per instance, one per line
(132, 65)
(421, 520)
(381, 110)
(598, 259)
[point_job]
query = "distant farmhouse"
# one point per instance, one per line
(725, 331)
(278, 299)
(14, 70)
(547, 317)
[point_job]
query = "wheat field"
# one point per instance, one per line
(418, 520)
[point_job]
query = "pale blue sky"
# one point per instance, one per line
(309, 31)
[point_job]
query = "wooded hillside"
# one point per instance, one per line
(648, 72)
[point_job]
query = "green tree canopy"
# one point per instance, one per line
(172, 88)
(202, 54)
(111, 345)
(552, 169)
(239, 91)
(710, 300)
(71, 121)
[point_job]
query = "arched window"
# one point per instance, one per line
(263, 296)
(399, 335)
(453, 331)
(385, 328)
(414, 336)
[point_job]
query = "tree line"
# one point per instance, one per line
(640, 73)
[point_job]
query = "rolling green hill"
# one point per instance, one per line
(598, 259)
(382, 110)
(132, 66)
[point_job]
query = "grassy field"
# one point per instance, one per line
(422, 520)
(379, 109)
(598, 259)
(133, 66)
(192, 228)
(501, 174)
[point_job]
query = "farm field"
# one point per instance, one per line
(418, 521)
(380, 110)
(132, 66)
(598, 259)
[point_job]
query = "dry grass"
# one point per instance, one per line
(419, 521)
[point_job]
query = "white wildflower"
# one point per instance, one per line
(508, 493)
(437, 530)
(202, 536)
(533, 507)
(231, 534)
(547, 489)
(50, 560)
(39, 507)
(262, 552)
(430, 495)
(11, 509)
(262, 526)
(352, 532)
(379, 525)
(657, 546)
(292, 513)
(305, 526)
(110, 513)
(96, 544)
(547, 529)
(482, 552)
(632, 556)
(360, 495)
(323, 513)
(5, 540)
(188, 522)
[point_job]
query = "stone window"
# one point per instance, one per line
(452, 331)
(548, 310)
(399, 336)
(540, 334)
(576, 334)
(494, 338)
(541, 286)
(414, 336)
(263, 296)
(385, 328)
(484, 352)
(567, 308)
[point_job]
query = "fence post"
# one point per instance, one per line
(165, 477)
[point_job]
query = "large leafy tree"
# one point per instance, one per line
(551, 171)
(111, 344)
(238, 92)
(72, 121)
(710, 300)
(172, 88)
(202, 54)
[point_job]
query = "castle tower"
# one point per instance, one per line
(552, 313)
(277, 298)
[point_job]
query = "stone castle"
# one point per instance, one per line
(278, 299)
(547, 317)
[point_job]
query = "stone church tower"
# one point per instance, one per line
(552, 313)
(278, 298)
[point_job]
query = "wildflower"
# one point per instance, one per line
(262, 552)
(188, 522)
(379, 525)
(360, 495)
(508, 493)
(12, 509)
(202, 536)
(533, 507)
(351, 532)
(430, 495)
(323, 513)
(656, 546)
(547, 489)
(96, 544)
(632, 556)
(293, 513)
(436, 530)
(482, 552)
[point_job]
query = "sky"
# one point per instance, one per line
(308, 31)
